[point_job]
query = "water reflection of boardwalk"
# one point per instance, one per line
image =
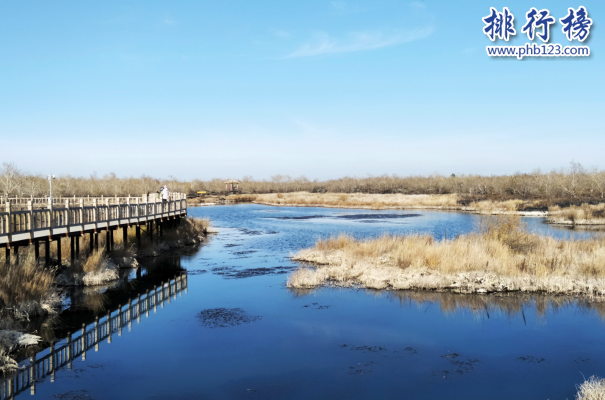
(90, 337)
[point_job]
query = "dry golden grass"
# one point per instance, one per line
(94, 262)
(585, 214)
(25, 281)
(502, 257)
(387, 201)
(507, 206)
(26, 288)
(592, 389)
(359, 200)
(188, 228)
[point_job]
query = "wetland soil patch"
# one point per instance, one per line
(236, 273)
(351, 217)
(225, 317)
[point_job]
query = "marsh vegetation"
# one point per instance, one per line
(503, 256)
(28, 288)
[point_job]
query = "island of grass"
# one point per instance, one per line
(501, 257)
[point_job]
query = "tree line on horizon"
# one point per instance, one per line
(574, 184)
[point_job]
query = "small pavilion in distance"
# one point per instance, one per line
(231, 186)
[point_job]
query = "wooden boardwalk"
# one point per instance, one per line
(31, 221)
(46, 362)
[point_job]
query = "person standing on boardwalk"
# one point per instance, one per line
(165, 194)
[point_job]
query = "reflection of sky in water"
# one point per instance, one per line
(339, 343)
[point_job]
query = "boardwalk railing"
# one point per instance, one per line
(44, 202)
(47, 362)
(88, 214)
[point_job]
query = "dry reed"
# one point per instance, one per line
(502, 257)
(592, 389)
(27, 289)
(390, 201)
(585, 214)
(359, 200)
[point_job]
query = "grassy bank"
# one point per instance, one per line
(382, 202)
(502, 257)
(585, 214)
(28, 288)
(359, 200)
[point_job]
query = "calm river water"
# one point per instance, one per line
(240, 333)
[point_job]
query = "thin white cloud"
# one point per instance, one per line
(360, 41)
(280, 33)
(342, 7)
(417, 4)
(339, 5)
(169, 21)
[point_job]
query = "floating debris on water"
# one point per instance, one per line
(225, 317)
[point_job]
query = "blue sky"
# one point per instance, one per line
(203, 89)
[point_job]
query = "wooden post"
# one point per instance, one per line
(59, 250)
(111, 240)
(108, 240)
(51, 362)
(95, 213)
(47, 250)
(68, 350)
(108, 216)
(120, 320)
(7, 255)
(77, 239)
(129, 314)
(109, 327)
(16, 254)
(125, 235)
(73, 249)
(147, 304)
(138, 231)
(163, 293)
(32, 223)
(50, 222)
(68, 216)
(32, 374)
(160, 225)
(37, 250)
(96, 333)
(150, 229)
(91, 237)
(139, 308)
(155, 298)
(96, 235)
(83, 342)
(9, 219)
